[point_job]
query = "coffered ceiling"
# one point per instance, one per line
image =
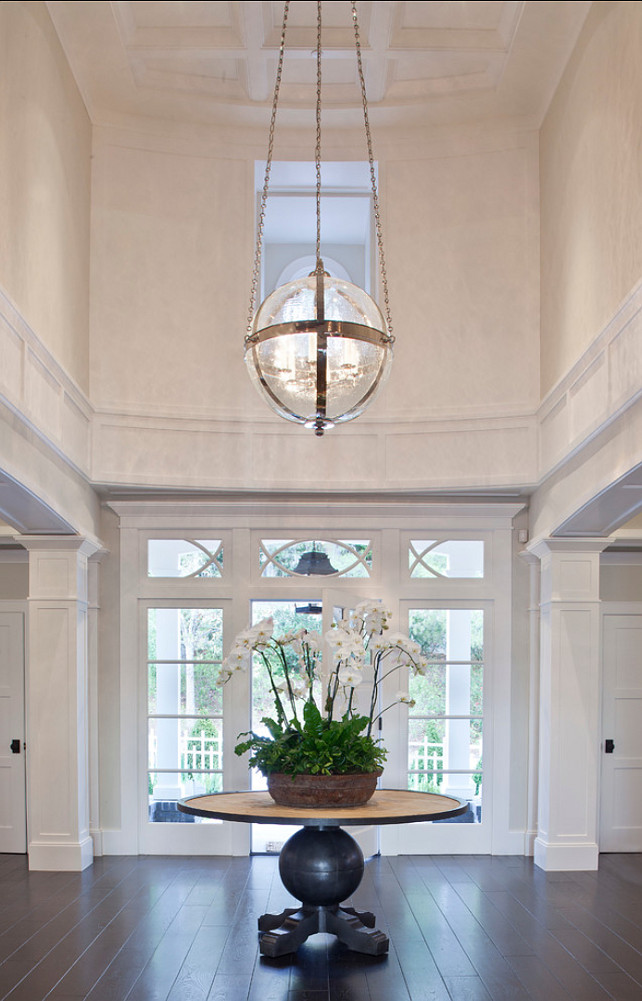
(445, 62)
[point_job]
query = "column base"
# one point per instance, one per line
(579, 857)
(66, 857)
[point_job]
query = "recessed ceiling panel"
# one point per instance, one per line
(215, 62)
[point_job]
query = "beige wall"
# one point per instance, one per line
(45, 148)
(14, 581)
(591, 187)
(172, 243)
(621, 582)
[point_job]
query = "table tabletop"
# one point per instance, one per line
(387, 806)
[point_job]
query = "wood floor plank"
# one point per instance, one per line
(462, 928)
(538, 980)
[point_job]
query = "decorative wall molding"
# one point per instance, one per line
(443, 453)
(226, 455)
(40, 393)
(604, 383)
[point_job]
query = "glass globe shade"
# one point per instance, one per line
(318, 372)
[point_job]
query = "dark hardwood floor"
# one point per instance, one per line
(465, 928)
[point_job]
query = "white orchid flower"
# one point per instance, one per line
(236, 660)
(378, 643)
(313, 642)
(262, 632)
(350, 678)
(342, 639)
(245, 639)
(420, 666)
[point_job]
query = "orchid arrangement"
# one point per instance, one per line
(321, 730)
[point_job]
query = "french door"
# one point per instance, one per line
(192, 723)
(185, 750)
(446, 723)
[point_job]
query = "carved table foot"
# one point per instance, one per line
(285, 932)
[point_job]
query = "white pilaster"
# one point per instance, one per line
(533, 701)
(58, 703)
(569, 703)
(93, 609)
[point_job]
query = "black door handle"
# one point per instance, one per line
(609, 746)
(15, 746)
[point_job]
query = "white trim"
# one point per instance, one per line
(41, 393)
(389, 522)
(575, 411)
(529, 844)
(68, 857)
(570, 857)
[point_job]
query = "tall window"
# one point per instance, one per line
(184, 707)
(446, 722)
(289, 234)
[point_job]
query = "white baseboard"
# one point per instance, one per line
(567, 857)
(66, 857)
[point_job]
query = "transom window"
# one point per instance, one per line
(184, 557)
(435, 558)
(319, 557)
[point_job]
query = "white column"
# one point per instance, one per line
(93, 607)
(569, 735)
(533, 702)
(57, 703)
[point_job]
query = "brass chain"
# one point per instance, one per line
(268, 167)
(317, 148)
(266, 182)
(373, 177)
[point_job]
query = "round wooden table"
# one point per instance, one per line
(321, 864)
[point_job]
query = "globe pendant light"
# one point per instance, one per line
(318, 349)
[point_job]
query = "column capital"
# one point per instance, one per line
(80, 544)
(541, 548)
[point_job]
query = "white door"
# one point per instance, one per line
(13, 811)
(621, 790)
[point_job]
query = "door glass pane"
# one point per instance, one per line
(446, 722)
(288, 618)
(184, 732)
(437, 782)
(195, 686)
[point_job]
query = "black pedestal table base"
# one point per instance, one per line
(320, 866)
(284, 933)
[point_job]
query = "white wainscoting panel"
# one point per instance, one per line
(603, 383)
(39, 391)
